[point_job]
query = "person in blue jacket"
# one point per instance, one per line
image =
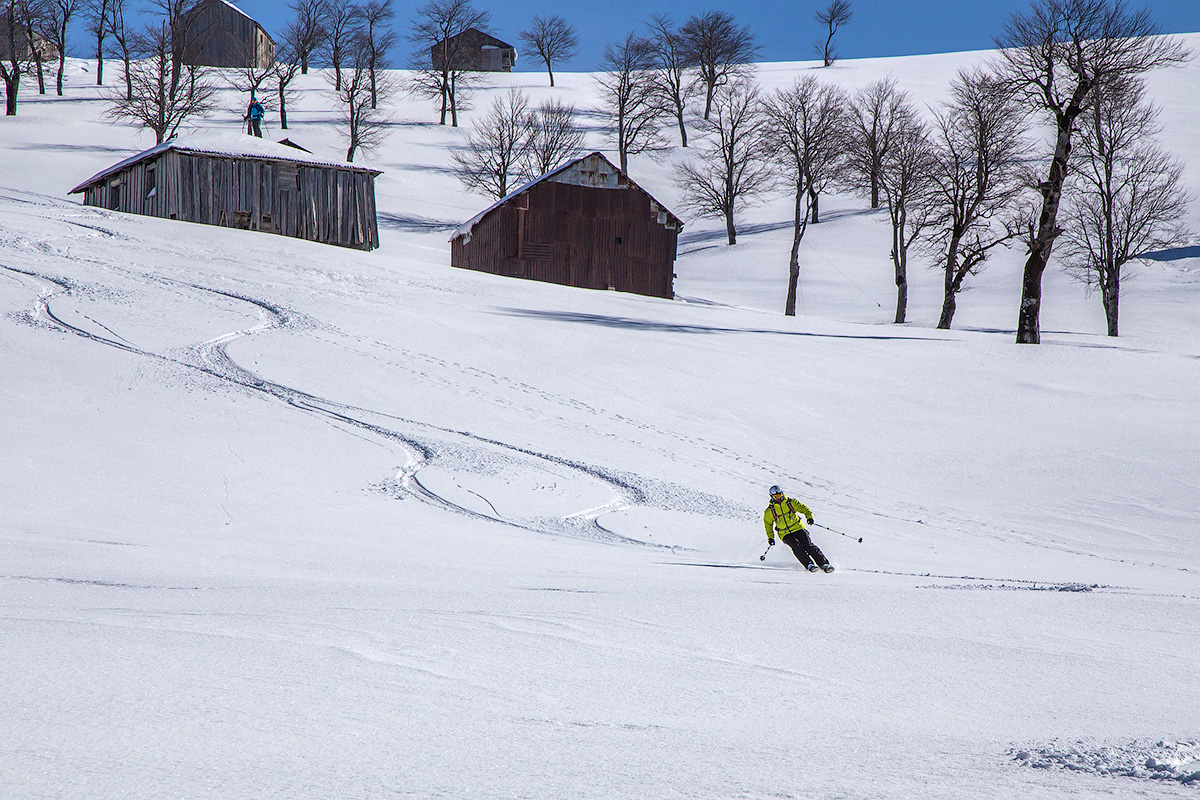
(255, 114)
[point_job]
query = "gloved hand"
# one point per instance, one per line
(770, 542)
(810, 520)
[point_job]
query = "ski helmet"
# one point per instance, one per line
(776, 490)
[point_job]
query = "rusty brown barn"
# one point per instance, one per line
(243, 182)
(584, 224)
(216, 33)
(474, 51)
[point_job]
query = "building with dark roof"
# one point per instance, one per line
(474, 51)
(583, 224)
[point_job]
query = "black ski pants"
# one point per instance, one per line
(806, 552)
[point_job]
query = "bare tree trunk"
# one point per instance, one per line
(900, 261)
(799, 225)
(814, 206)
(1028, 328)
(951, 285)
(948, 307)
(1111, 295)
(283, 107)
(730, 230)
(11, 86)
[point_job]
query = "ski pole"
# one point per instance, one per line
(831, 530)
(763, 557)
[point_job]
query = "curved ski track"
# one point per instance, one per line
(212, 359)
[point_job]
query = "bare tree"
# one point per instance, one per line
(833, 17)
(34, 23)
(553, 137)
(629, 96)
(553, 39)
(1056, 55)
(11, 68)
(287, 65)
(719, 48)
(904, 179)
(1128, 195)
(671, 67)
(439, 65)
(124, 36)
(978, 151)
(733, 165)
(306, 31)
(183, 42)
(160, 103)
(496, 146)
(827, 165)
(876, 113)
(805, 126)
(95, 15)
(376, 17)
(58, 16)
(338, 21)
(361, 126)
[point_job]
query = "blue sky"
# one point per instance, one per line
(785, 31)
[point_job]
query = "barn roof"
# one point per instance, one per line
(487, 37)
(467, 226)
(227, 145)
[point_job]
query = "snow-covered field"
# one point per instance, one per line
(284, 520)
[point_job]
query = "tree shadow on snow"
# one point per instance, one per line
(75, 148)
(1173, 254)
(411, 223)
(628, 323)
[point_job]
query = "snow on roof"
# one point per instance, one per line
(230, 145)
(466, 227)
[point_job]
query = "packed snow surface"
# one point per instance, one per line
(285, 520)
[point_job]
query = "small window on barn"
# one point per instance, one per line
(151, 184)
(618, 240)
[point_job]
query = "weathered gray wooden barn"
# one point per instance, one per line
(583, 224)
(242, 182)
(216, 33)
(474, 51)
(23, 41)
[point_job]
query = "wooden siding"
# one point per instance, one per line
(593, 238)
(475, 51)
(216, 35)
(321, 204)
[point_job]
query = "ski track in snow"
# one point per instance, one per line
(212, 359)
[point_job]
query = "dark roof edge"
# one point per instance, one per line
(465, 228)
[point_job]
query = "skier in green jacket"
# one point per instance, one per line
(783, 516)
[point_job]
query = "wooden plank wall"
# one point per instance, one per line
(589, 237)
(321, 204)
(216, 35)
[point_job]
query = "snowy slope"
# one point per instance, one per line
(283, 520)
